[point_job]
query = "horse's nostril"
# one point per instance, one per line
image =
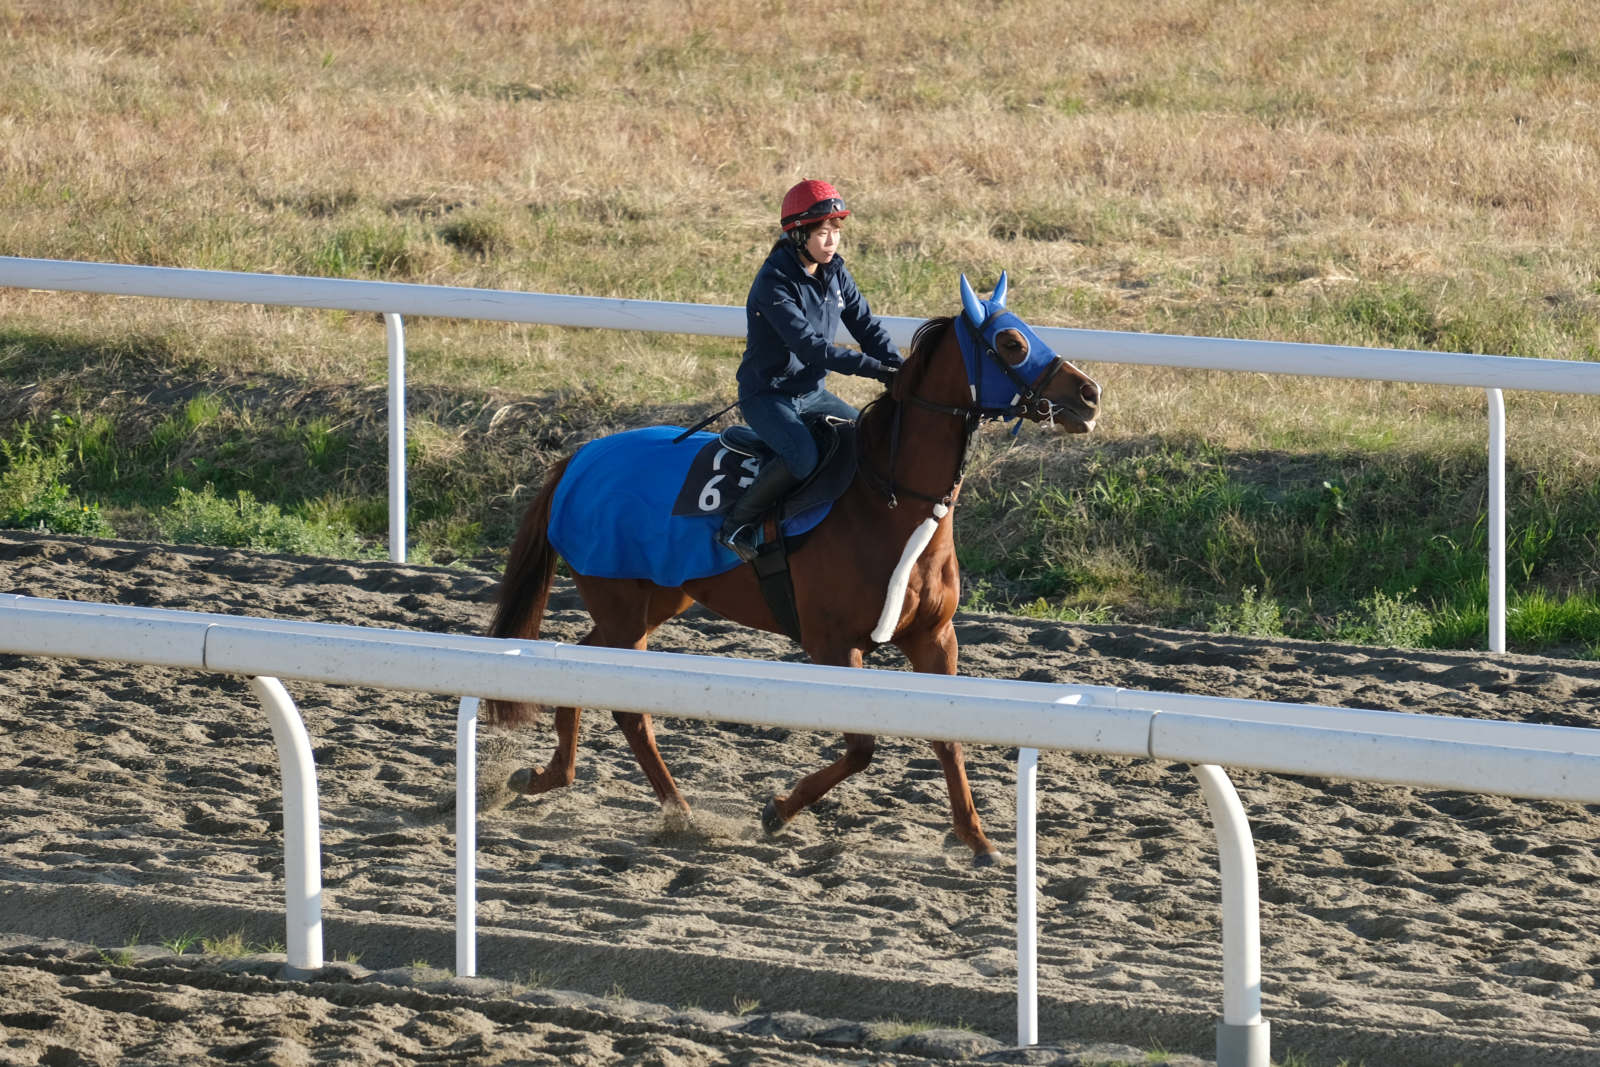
(1091, 394)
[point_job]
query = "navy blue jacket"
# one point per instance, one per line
(791, 318)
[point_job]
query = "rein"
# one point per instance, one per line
(886, 485)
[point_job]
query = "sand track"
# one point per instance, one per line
(1399, 926)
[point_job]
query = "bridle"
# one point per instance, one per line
(1029, 398)
(980, 322)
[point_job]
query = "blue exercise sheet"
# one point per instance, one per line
(611, 516)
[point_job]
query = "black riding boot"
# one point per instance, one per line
(741, 527)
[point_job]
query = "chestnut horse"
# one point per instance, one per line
(880, 568)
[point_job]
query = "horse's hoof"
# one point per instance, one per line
(520, 780)
(986, 859)
(771, 821)
(675, 818)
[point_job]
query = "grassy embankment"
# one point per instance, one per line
(1246, 170)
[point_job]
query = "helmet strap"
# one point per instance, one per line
(801, 236)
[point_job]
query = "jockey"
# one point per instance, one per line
(801, 294)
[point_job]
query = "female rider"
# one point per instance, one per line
(800, 296)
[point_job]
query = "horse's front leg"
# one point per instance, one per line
(858, 749)
(641, 735)
(934, 652)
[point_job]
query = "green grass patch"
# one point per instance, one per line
(33, 495)
(242, 521)
(181, 943)
(234, 945)
(1384, 547)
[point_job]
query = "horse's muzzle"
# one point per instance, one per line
(1075, 414)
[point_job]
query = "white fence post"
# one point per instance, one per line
(1497, 521)
(302, 841)
(467, 838)
(395, 333)
(1027, 898)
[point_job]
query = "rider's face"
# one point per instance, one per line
(823, 244)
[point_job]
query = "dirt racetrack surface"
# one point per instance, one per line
(143, 804)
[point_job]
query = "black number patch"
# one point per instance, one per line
(716, 478)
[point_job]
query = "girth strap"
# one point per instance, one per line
(777, 586)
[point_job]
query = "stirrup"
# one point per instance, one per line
(741, 541)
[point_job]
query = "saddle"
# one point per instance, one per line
(725, 467)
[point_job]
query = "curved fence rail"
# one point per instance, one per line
(1550, 762)
(394, 299)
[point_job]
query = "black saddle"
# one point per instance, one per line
(836, 460)
(724, 468)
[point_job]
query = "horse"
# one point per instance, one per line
(854, 586)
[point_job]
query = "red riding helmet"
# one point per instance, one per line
(811, 202)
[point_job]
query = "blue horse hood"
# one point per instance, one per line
(981, 320)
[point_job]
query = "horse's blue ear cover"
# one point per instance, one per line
(974, 307)
(978, 311)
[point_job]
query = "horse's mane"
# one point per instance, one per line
(923, 342)
(875, 416)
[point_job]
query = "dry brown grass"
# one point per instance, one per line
(1190, 166)
(1076, 140)
(1166, 168)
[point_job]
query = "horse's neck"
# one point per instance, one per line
(918, 449)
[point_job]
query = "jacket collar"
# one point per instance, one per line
(789, 259)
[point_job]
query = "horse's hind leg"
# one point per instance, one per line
(562, 767)
(641, 735)
(632, 611)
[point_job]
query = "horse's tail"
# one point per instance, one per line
(524, 592)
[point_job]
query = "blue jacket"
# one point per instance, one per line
(791, 318)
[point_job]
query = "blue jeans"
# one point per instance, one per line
(775, 417)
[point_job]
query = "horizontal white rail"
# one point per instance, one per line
(392, 299)
(328, 652)
(722, 320)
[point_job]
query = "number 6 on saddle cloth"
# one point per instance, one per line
(647, 503)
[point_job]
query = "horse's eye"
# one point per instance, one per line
(1012, 347)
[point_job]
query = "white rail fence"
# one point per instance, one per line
(1549, 762)
(393, 300)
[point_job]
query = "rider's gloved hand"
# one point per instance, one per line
(885, 369)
